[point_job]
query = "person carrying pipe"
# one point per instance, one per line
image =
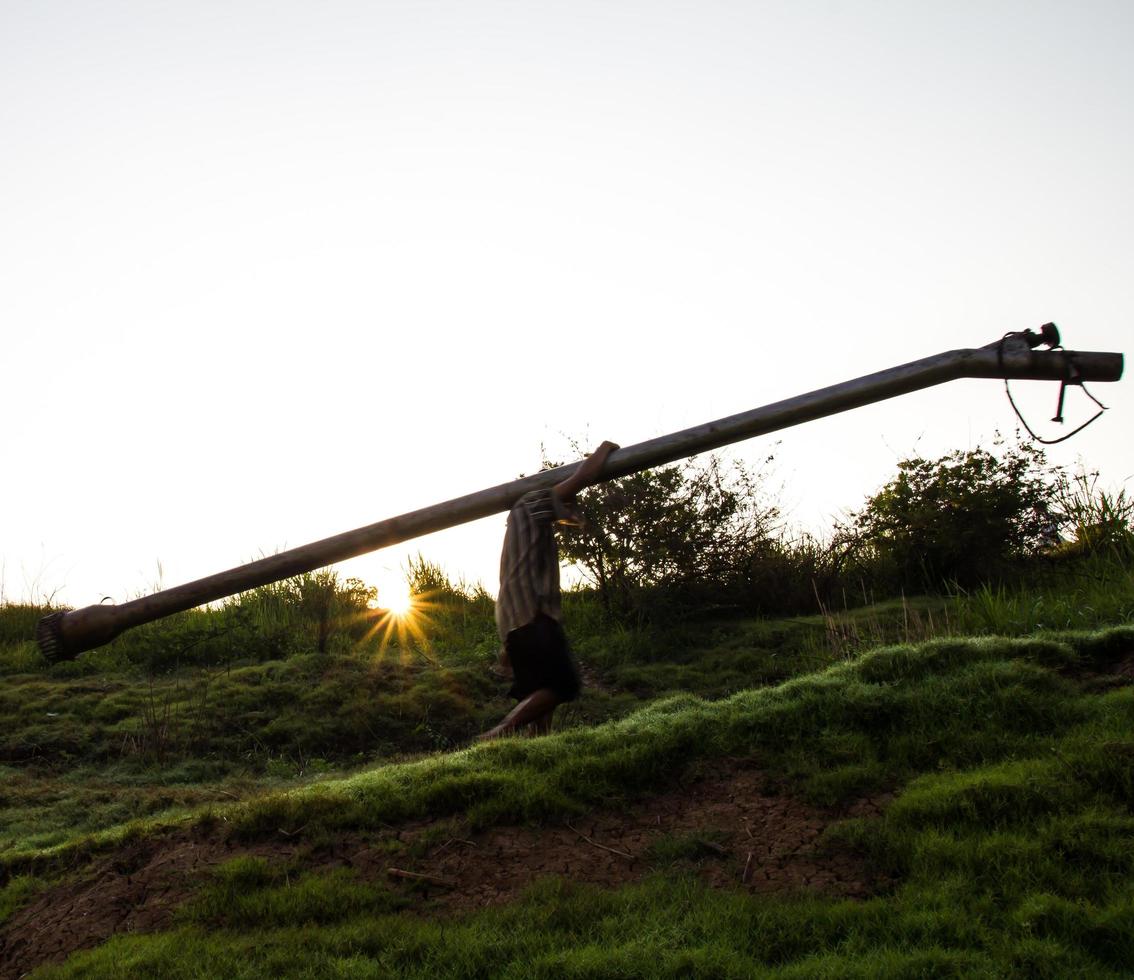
(528, 617)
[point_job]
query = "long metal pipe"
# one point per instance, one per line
(63, 635)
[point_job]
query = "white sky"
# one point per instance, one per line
(271, 271)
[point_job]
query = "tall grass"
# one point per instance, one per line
(1100, 521)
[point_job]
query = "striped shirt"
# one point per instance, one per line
(529, 564)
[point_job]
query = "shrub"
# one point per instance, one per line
(967, 518)
(669, 536)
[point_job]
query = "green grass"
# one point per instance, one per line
(334, 706)
(670, 849)
(859, 726)
(854, 728)
(665, 927)
(1010, 837)
(708, 659)
(250, 893)
(79, 754)
(1016, 612)
(41, 810)
(16, 893)
(86, 746)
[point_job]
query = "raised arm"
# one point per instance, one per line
(586, 473)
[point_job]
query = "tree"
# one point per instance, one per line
(675, 534)
(964, 518)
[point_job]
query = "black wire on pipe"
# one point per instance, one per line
(1062, 387)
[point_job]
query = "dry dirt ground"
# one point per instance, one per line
(752, 837)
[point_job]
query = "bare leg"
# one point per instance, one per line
(534, 708)
(541, 725)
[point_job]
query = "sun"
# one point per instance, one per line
(400, 620)
(397, 599)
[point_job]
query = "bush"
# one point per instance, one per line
(966, 518)
(669, 537)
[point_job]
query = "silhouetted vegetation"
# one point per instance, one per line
(669, 537)
(704, 537)
(964, 519)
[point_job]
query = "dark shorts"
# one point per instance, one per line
(540, 657)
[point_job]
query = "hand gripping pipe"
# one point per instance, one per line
(64, 635)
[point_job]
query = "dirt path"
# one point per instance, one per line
(726, 816)
(744, 835)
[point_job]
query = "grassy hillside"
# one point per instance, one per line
(931, 786)
(287, 784)
(190, 712)
(1009, 844)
